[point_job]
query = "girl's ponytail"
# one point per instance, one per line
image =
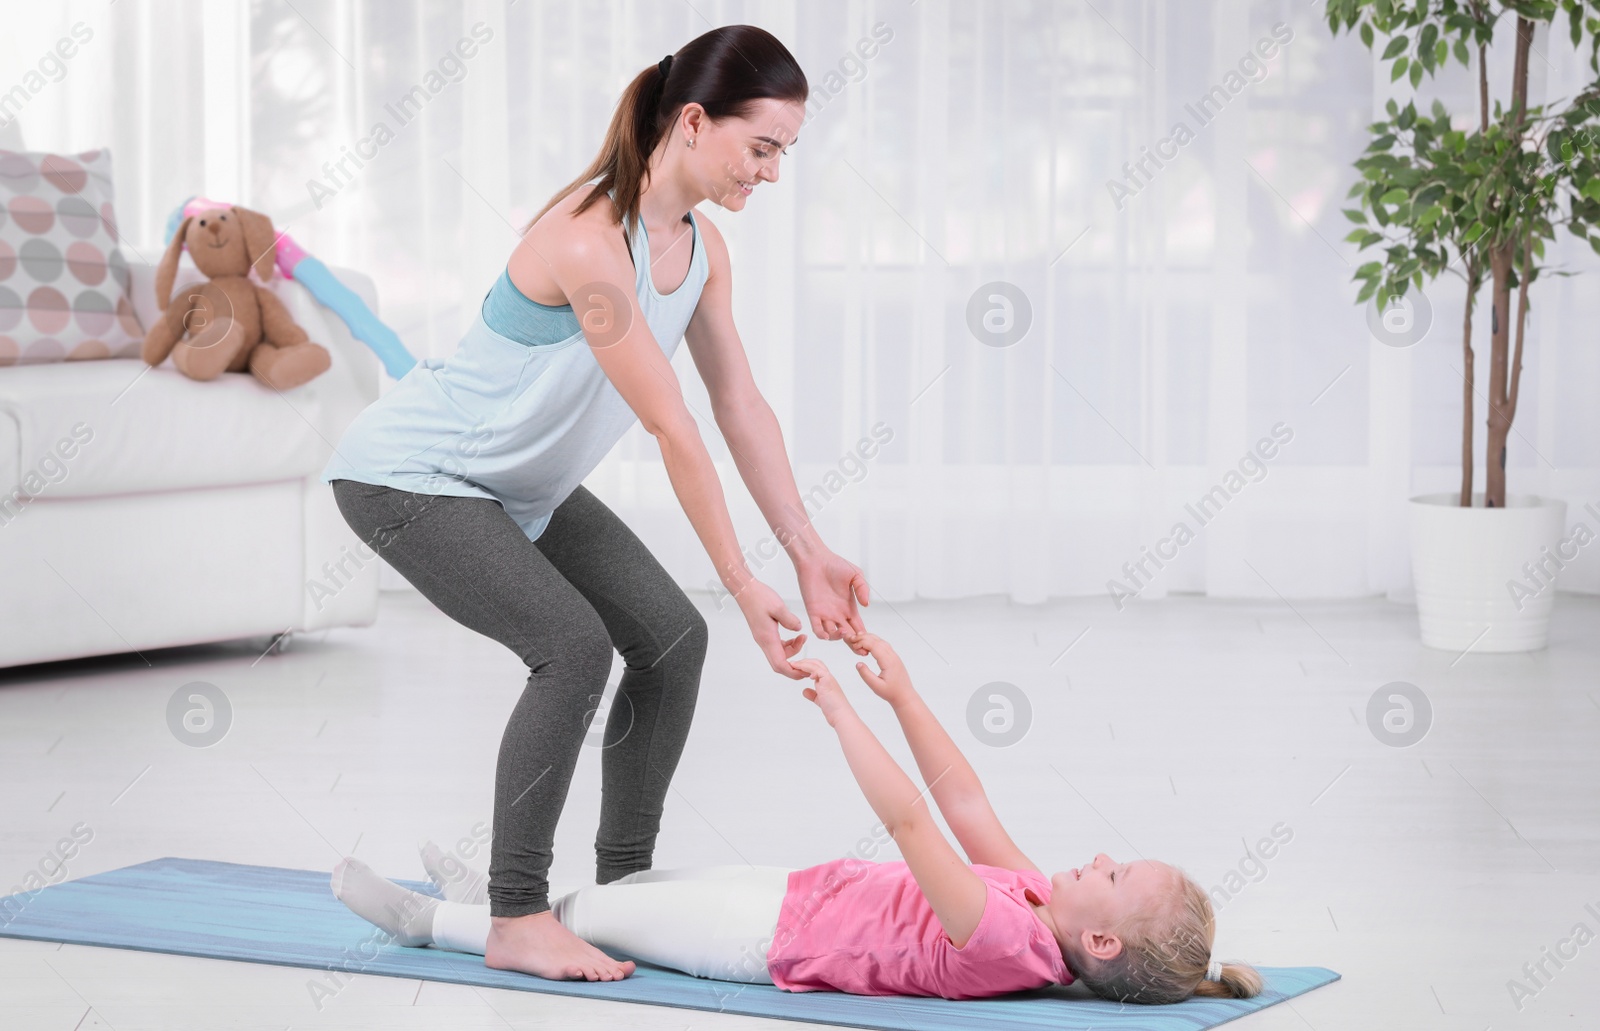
(1239, 981)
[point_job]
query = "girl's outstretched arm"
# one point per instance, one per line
(956, 894)
(950, 777)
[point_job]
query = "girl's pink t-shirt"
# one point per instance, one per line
(866, 928)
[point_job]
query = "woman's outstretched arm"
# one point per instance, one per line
(956, 894)
(829, 585)
(591, 274)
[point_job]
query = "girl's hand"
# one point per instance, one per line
(825, 690)
(768, 615)
(891, 682)
(830, 587)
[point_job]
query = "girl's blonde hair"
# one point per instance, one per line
(1165, 952)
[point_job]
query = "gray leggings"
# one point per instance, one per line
(562, 603)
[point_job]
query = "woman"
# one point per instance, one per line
(466, 475)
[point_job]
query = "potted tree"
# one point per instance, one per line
(1476, 198)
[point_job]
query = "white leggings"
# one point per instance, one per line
(709, 921)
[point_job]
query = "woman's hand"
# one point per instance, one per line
(768, 615)
(830, 587)
(824, 690)
(891, 682)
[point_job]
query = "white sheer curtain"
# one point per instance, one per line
(1169, 330)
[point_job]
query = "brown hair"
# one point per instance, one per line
(1165, 952)
(724, 71)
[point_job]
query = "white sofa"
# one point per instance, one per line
(181, 512)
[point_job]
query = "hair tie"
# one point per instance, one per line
(1214, 970)
(665, 67)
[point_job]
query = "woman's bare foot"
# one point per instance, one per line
(538, 944)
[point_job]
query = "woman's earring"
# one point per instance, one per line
(691, 141)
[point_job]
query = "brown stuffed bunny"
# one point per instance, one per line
(229, 324)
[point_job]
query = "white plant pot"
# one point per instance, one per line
(1484, 576)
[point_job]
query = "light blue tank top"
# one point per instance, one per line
(507, 421)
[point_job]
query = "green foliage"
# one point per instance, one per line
(1433, 190)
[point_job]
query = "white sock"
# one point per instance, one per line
(403, 913)
(458, 881)
(461, 928)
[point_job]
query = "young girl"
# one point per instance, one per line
(930, 925)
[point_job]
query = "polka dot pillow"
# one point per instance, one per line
(63, 282)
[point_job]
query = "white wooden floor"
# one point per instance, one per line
(1428, 875)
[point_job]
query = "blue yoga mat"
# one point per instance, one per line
(266, 914)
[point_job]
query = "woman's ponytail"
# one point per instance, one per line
(725, 71)
(625, 153)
